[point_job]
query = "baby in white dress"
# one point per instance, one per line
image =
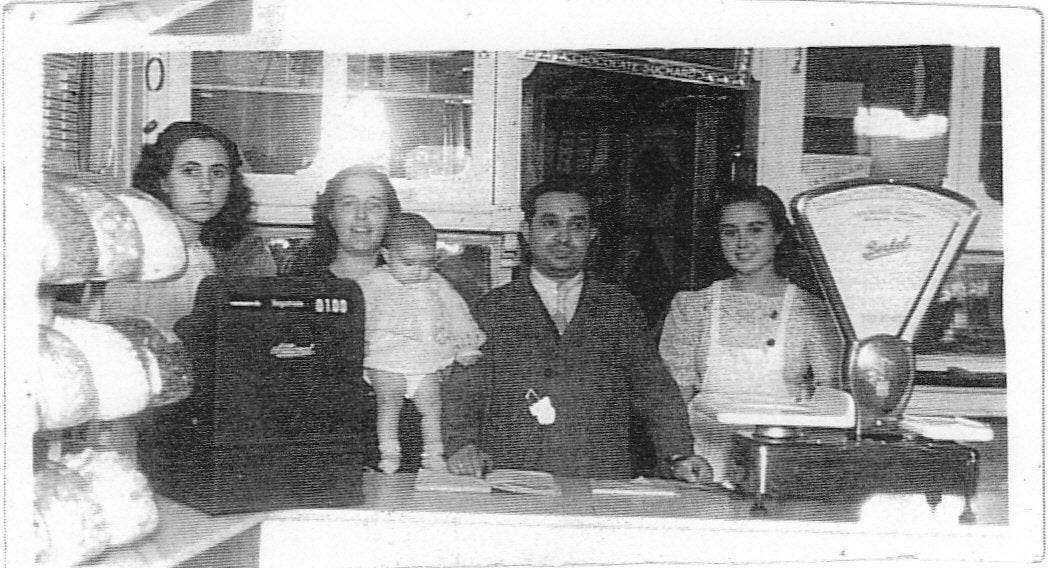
(417, 326)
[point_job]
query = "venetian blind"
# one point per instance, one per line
(74, 92)
(64, 104)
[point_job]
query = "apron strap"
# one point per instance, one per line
(787, 303)
(717, 292)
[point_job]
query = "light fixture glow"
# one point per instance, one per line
(885, 122)
(358, 134)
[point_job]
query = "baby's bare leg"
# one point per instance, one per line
(427, 400)
(389, 391)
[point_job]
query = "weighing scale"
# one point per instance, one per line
(880, 251)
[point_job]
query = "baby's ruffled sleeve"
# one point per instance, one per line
(463, 332)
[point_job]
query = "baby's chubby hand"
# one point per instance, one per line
(467, 357)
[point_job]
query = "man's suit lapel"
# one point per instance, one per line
(583, 311)
(534, 303)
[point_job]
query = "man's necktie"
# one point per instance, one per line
(560, 317)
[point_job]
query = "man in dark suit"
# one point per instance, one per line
(567, 359)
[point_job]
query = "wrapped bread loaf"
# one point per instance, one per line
(88, 502)
(121, 491)
(163, 251)
(69, 251)
(63, 388)
(120, 378)
(118, 236)
(167, 369)
(70, 525)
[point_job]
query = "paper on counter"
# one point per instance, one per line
(536, 483)
(828, 408)
(434, 480)
(956, 429)
(524, 481)
(639, 487)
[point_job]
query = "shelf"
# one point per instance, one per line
(481, 218)
(969, 362)
(316, 91)
(930, 400)
(390, 94)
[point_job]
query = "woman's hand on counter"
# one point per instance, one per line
(693, 469)
(470, 460)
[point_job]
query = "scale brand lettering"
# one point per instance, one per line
(287, 303)
(876, 249)
(291, 351)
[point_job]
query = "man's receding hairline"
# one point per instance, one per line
(585, 200)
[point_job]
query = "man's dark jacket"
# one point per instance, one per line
(604, 367)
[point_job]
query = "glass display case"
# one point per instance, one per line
(967, 315)
(961, 339)
(473, 263)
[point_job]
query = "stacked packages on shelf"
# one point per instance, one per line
(88, 499)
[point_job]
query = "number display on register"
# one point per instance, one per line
(331, 306)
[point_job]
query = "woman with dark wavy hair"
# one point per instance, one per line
(786, 262)
(753, 335)
(194, 169)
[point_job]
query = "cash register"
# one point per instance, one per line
(279, 416)
(880, 251)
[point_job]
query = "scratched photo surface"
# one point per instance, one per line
(561, 284)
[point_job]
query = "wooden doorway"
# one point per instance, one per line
(654, 154)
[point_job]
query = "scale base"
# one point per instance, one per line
(832, 466)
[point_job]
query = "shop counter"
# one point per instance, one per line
(399, 525)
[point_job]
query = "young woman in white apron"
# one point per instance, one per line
(753, 336)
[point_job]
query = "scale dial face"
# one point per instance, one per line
(881, 251)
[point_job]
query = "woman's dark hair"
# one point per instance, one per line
(325, 241)
(230, 224)
(787, 251)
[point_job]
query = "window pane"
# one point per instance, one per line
(267, 101)
(427, 103)
(889, 103)
(276, 132)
